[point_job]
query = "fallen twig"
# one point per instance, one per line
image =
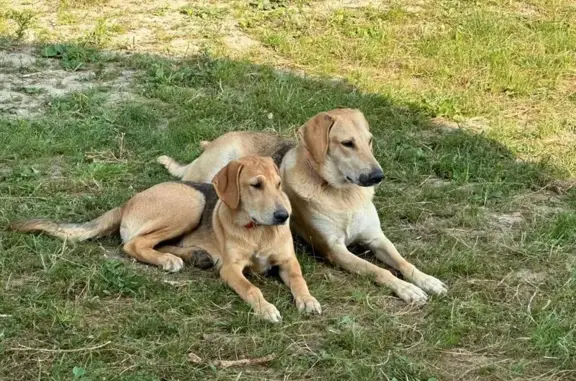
(231, 363)
(24, 348)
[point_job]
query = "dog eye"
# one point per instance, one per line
(348, 143)
(257, 185)
(279, 184)
(371, 141)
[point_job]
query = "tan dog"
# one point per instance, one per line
(329, 177)
(240, 222)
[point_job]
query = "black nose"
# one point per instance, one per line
(373, 178)
(280, 216)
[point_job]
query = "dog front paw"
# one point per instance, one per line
(410, 293)
(171, 263)
(164, 160)
(201, 259)
(430, 284)
(308, 304)
(269, 312)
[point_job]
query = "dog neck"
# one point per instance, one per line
(312, 165)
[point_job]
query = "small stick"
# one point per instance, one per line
(243, 362)
(231, 363)
(24, 348)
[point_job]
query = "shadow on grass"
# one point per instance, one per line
(89, 150)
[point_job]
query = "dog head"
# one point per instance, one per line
(340, 144)
(252, 185)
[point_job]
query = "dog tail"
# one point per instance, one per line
(204, 144)
(107, 223)
(176, 169)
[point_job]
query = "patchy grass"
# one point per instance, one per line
(472, 115)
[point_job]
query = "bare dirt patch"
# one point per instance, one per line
(526, 10)
(530, 276)
(435, 182)
(28, 82)
(474, 125)
(235, 39)
(177, 28)
(543, 203)
(506, 220)
(19, 281)
(444, 125)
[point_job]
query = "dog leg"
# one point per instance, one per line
(193, 255)
(291, 275)
(174, 168)
(142, 248)
(340, 256)
(385, 251)
(232, 275)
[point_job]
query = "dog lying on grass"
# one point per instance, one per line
(329, 176)
(240, 221)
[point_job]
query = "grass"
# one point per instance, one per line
(485, 205)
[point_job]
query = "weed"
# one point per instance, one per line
(204, 13)
(74, 57)
(23, 20)
(101, 34)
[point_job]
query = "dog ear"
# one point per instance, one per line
(315, 135)
(227, 184)
(271, 161)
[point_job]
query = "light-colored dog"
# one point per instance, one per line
(329, 177)
(240, 222)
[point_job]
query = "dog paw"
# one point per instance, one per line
(201, 259)
(410, 293)
(308, 304)
(269, 312)
(430, 284)
(171, 263)
(164, 160)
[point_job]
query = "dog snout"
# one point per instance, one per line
(280, 216)
(372, 178)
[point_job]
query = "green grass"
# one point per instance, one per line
(510, 62)
(487, 207)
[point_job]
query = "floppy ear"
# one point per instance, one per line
(271, 161)
(227, 184)
(315, 133)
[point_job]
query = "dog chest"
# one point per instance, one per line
(260, 263)
(348, 225)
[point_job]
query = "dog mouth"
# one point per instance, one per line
(254, 222)
(349, 179)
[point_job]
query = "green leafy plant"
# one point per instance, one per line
(74, 57)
